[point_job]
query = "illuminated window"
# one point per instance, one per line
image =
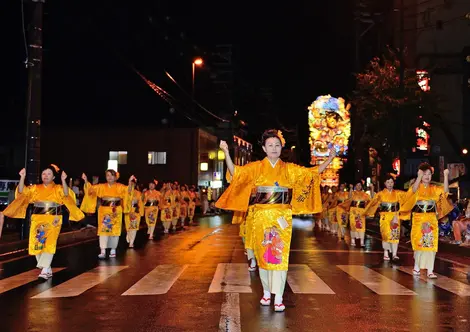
(156, 158)
(204, 167)
(113, 164)
(119, 156)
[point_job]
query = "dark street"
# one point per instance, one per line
(197, 280)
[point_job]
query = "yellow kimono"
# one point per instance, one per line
(132, 219)
(184, 204)
(333, 202)
(191, 205)
(357, 219)
(175, 202)
(279, 191)
(428, 205)
(388, 203)
(167, 206)
(46, 217)
(152, 202)
(114, 201)
(325, 202)
(239, 218)
(342, 208)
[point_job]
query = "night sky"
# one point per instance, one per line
(299, 49)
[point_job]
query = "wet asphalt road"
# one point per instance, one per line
(353, 289)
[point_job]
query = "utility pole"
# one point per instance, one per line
(402, 153)
(33, 103)
(34, 96)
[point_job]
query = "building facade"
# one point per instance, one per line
(164, 154)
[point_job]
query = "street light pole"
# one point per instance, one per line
(196, 62)
(34, 99)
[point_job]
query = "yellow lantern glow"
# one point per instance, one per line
(220, 155)
(212, 155)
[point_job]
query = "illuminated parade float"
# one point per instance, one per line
(330, 128)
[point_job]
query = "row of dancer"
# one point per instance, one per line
(424, 204)
(112, 200)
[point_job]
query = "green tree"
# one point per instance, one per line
(385, 114)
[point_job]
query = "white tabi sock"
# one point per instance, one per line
(266, 295)
(278, 299)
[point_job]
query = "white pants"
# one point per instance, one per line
(131, 236)
(424, 260)
(358, 235)
(393, 247)
(150, 230)
(44, 260)
(174, 222)
(166, 225)
(273, 282)
(109, 242)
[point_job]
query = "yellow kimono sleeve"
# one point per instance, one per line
(70, 201)
(306, 197)
(409, 200)
(126, 197)
(89, 200)
(373, 205)
(228, 176)
(237, 195)
(444, 207)
(17, 208)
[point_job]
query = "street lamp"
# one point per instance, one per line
(197, 62)
(464, 151)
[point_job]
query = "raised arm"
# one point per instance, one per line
(324, 165)
(228, 159)
(22, 178)
(446, 180)
(132, 181)
(418, 181)
(65, 187)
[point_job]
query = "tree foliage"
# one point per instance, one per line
(386, 115)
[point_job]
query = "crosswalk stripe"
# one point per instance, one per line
(302, 280)
(448, 284)
(461, 270)
(158, 281)
(375, 281)
(230, 313)
(231, 278)
(22, 279)
(81, 283)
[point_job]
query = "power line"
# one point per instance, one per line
(202, 107)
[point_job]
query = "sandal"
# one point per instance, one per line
(265, 301)
(416, 273)
(386, 258)
(432, 276)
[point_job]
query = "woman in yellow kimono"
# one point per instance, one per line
(184, 205)
(48, 200)
(132, 219)
(191, 205)
(357, 219)
(428, 203)
(167, 206)
(388, 202)
(115, 199)
(325, 199)
(152, 200)
(332, 203)
(342, 210)
(175, 197)
(279, 190)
